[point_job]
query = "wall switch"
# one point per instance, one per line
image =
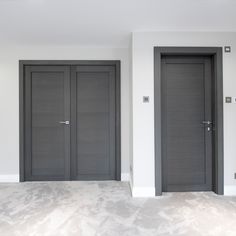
(227, 49)
(234, 175)
(145, 99)
(228, 99)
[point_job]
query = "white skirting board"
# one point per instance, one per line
(125, 177)
(142, 191)
(230, 190)
(9, 178)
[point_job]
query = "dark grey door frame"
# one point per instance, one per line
(218, 152)
(23, 63)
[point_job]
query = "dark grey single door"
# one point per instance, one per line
(93, 122)
(186, 136)
(47, 105)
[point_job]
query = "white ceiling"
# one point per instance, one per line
(108, 22)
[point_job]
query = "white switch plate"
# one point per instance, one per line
(145, 99)
(227, 49)
(233, 99)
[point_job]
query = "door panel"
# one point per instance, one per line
(93, 90)
(47, 103)
(186, 102)
(85, 147)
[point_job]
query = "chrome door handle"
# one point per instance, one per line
(207, 122)
(66, 122)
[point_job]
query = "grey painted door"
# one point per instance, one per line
(93, 122)
(186, 141)
(84, 148)
(47, 103)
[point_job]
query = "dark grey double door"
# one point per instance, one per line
(186, 123)
(70, 123)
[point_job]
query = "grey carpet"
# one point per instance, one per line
(107, 209)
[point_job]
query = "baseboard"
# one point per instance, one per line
(125, 177)
(143, 191)
(230, 190)
(9, 178)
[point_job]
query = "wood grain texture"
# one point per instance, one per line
(95, 156)
(186, 102)
(217, 104)
(43, 138)
(47, 105)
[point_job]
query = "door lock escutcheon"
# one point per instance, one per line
(208, 123)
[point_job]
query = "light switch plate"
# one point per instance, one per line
(228, 99)
(227, 49)
(145, 99)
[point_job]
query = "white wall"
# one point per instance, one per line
(140, 144)
(9, 94)
(143, 113)
(131, 117)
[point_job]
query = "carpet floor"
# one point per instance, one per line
(107, 209)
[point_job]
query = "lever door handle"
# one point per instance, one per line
(66, 122)
(207, 122)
